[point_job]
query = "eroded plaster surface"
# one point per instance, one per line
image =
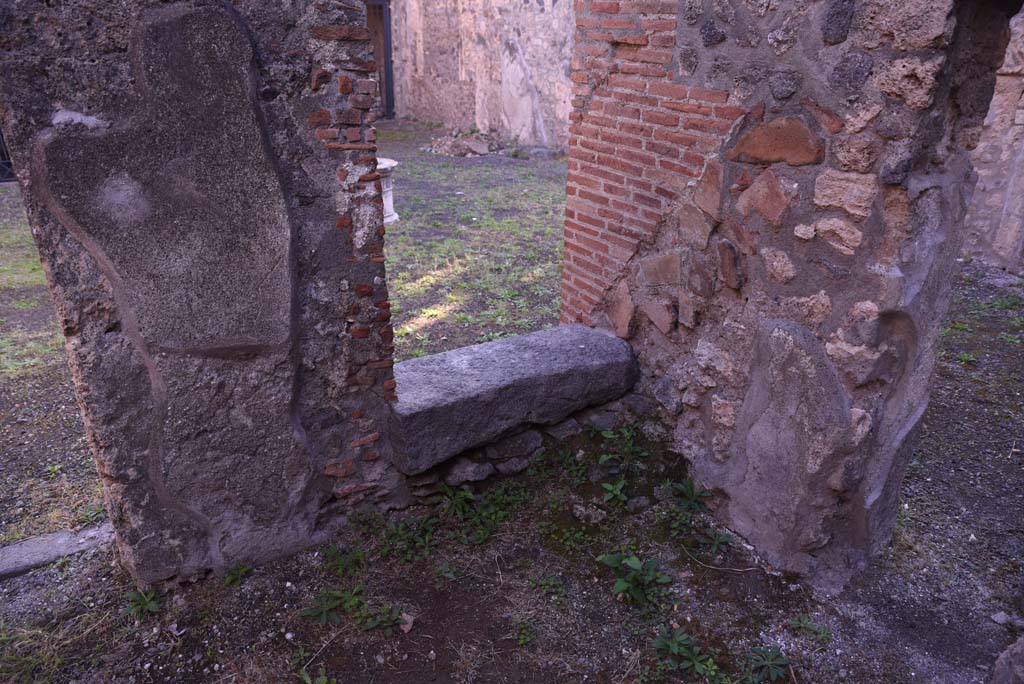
(995, 222)
(495, 65)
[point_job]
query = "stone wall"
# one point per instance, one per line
(995, 222)
(201, 183)
(766, 198)
(492, 64)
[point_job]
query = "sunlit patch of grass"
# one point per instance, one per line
(485, 236)
(22, 351)
(53, 504)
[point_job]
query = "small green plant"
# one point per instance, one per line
(715, 542)
(237, 575)
(636, 581)
(343, 563)
(1007, 303)
(91, 515)
(453, 502)
(445, 571)
(1011, 339)
(551, 586)
(143, 602)
(966, 357)
(54, 471)
(613, 492)
(409, 539)
(624, 451)
(764, 664)
(960, 326)
(571, 539)
(325, 607)
(677, 649)
(320, 678)
(524, 632)
(691, 498)
(803, 625)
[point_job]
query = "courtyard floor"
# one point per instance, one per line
(503, 585)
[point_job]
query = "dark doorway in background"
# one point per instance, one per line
(378, 18)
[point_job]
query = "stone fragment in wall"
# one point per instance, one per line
(855, 360)
(784, 37)
(723, 412)
(763, 7)
(710, 34)
(465, 470)
(898, 162)
(813, 309)
(841, 234)
(710, 356)
(863, 116)
(910, 24)
(765, 196)
(724, 11)
(835, 26)
(521, 445)
(855, 152)
(778, 265)
(786, 139)
(896, 216)
(621, 309)
(784, 83)
(700, 277)
(660, 313)
(803, 231)
(692, 11)
(512, 466)
(668, 396)
(729, 265)
(851, 73)
(860, 421)
(662, 269)
(707, 195)
(828, 119)
(694, 226)
(854, 193)
(689, 307)
(910, 79)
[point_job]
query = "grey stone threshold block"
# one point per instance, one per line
(465, 398)
(35, 552)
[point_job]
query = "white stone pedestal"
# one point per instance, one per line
(384, 167)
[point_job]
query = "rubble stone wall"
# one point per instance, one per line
(201, 183)
(766, 197)
(501, 66)
(995, 222)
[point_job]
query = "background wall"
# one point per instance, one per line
(497, 65)
(995, 223)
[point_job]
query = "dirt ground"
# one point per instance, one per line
(505, 585)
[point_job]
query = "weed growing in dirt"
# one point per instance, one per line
(551, 586)
(524, 632)
(143, 602)
(614, 493)
(623, 450)
(966, 358)
(803, 625)
(237, 575)
(569, 538)
(636, 581)
(764, 664)
(343, 563)
(678, 652)
(320, 678)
